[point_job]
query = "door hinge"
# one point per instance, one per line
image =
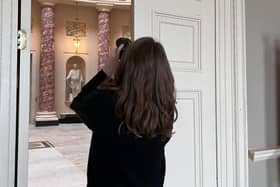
(21, 40)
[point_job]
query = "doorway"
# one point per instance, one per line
(66, 36)
(148, 15)
(190, 46)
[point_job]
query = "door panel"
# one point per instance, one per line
(187, 164)
(187, 32)
(186, 28)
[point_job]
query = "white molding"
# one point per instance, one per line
(231, 94)
(162, 17)
(196, 97)
(241, 94)
(8, 90)
(117, 4)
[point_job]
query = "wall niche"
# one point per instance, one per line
(74, 78)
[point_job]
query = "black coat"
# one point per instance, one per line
(116, 158)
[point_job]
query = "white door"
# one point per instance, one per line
(186, 28)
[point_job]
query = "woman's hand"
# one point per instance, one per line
(112, 63)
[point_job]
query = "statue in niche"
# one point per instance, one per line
(74, 77)
(74, 81)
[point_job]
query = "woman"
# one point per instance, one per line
(132, 119)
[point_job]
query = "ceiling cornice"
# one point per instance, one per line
(91, 3)
(104, 7)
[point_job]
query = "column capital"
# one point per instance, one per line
(50, 3)
(104, 7)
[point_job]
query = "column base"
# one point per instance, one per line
(46, 119)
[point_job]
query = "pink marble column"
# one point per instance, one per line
(47, 71)
(103, 36)
(47, 58)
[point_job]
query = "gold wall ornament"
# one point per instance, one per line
(75, 28)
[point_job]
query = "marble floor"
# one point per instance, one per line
(64, 164)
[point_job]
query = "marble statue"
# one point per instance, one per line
(74, 81)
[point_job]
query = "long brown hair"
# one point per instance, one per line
(146, 93)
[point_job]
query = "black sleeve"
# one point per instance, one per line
(86, 103)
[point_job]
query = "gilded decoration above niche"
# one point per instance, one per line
(75, 28)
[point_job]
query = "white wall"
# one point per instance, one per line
(263, 74)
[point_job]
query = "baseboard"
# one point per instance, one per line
(46, 123)
(69, 118)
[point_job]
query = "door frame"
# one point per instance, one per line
(232, 159)
(24, 93)
(8, 90)
(231, 90)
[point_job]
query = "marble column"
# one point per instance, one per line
(47, 114)
(103, 33)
